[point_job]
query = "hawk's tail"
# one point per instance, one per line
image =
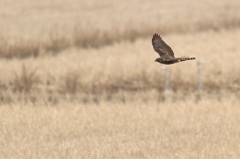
(184, 58)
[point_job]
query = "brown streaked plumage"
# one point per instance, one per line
(165, 52)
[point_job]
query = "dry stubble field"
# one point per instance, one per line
(79, 82)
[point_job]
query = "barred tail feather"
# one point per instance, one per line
(190, 58)
(183, 58)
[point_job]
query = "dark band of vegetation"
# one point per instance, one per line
(96, 38)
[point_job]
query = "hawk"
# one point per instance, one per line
(165, 52)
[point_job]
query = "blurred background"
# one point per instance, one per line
(78, 79)
(91, 51)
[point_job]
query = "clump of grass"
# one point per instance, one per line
(18, 48)
(56, 43)
(94, 37)
(6, 97)
(25, 81)
(70, 83)
(23, 48)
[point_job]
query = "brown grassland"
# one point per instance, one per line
(78, 79)
(208, 129)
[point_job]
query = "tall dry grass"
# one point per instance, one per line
(127, 68)
(37, 31)
(25, 81)
(184, 129)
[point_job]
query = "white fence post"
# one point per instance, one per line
(166, 79)
(199, 84)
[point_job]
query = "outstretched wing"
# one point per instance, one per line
(161, 47)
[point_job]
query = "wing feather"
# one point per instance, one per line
(161, 47)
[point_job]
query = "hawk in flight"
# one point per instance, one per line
(165, 52)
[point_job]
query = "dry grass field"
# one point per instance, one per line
(122, 70)
(78, 79)
(33, 28)
(208, 129)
